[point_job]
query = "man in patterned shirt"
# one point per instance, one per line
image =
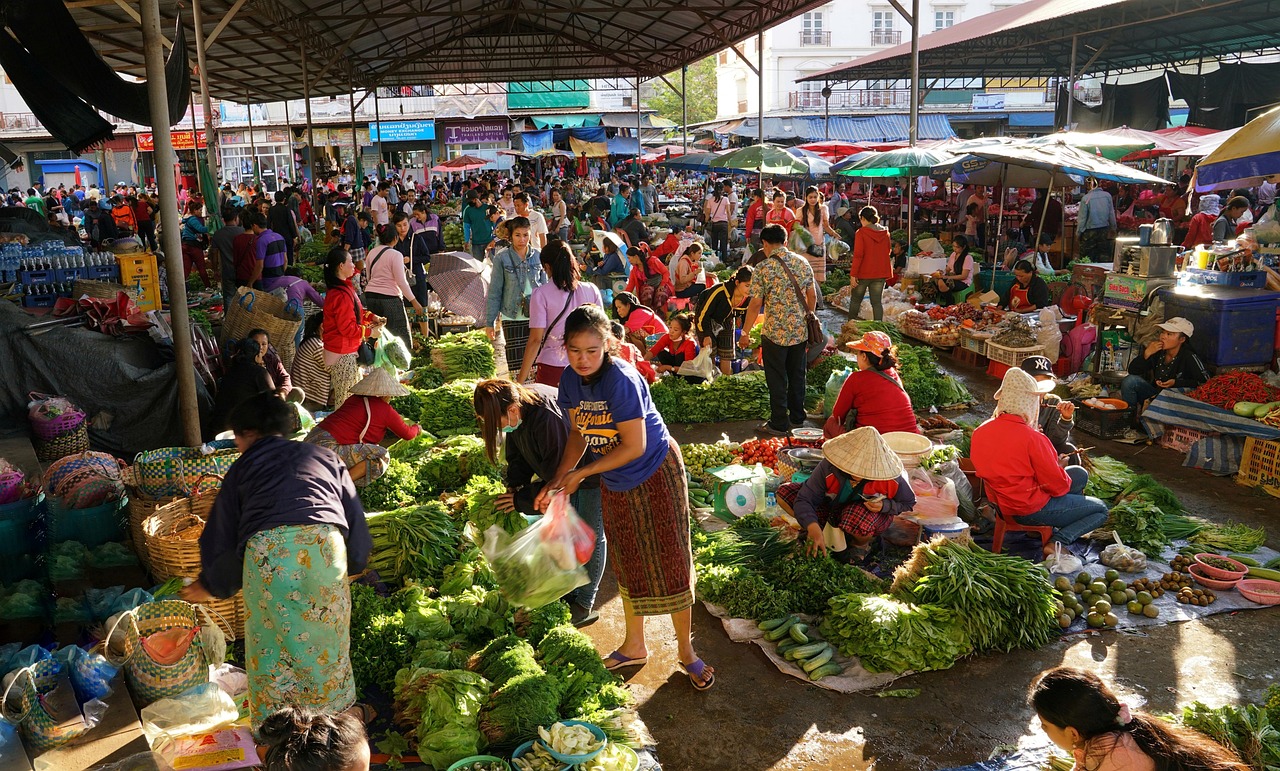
(784, 336)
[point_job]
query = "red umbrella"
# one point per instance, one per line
(833, 149)
(463, 163)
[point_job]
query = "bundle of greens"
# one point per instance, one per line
(449, 409)
(730, 397)
(413, 542)
(449, 464)
(444, 708)
(1233, 537)
(396, 488)
(742, 592)
(477, 615)
(924, 382)
(467, 355)
(410, 405)
(517, 709)
(313, 251)
(1252, 731)
(380, 646)
(505, 659)
(427, 377)
(1003, 601)
(1140, 524)
(890, 635)
(533, 625)
(471, 569)
(1108, 477)
(815, 378)
(586, 685)
(481, 494)
(812, 580)
(1145, 487)
(749, 542)
(413, 450)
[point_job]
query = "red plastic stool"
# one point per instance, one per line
(1010, 524)
(679, 304)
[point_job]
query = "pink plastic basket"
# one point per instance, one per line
(11, 486)
(47, 424)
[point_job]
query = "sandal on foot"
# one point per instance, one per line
(701, 676)
(367, 713)
(615, 661)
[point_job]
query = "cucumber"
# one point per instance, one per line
(830, 668)
(772, 623)
(780, 632)
(1273, 564)
(1246, 561)
(1266, 573)
(822, 658)
(797, 633)
(807, 651)
(787, 645)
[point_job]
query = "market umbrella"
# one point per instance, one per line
(1244, 158)
(462, 283)
(690, 162)
(971, 169)
(462, 163)
(761, 159)
(904, 162)
(1206, 144)
(832, 149)
(1160, 144)
(1097, 143)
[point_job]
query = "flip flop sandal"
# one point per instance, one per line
(696, 672)
(615, 661)
(367, 713)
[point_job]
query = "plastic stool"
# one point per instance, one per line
(679, 303)
(1010, 524)
(962, 294)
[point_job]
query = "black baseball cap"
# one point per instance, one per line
(1037, 366)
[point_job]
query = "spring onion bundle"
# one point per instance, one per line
(415, 542)
(1233, 537)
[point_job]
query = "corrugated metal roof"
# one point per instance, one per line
(868, 129)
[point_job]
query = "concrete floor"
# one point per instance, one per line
(757, 718)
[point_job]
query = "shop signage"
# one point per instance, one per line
(476, 132)
(181, 141)
(403, 131)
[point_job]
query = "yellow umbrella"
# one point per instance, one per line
(1245, 157)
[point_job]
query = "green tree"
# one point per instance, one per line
(701, 85)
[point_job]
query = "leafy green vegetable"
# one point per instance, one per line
(519, 707)
(444, 706)
(466, 355)
(449, 408)
(890, 635)
(481, 494)
(730, 397)
(397, 488)
(472, 569)
(449, 464)
(512, 662)
(1140, 524)
(427, 377)
(1250, 730)
(533, 625)
(1108, 477)
(1234, 537)
(380, 646)
(415, 542)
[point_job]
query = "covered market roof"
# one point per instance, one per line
(256, 43)
(1034, 39)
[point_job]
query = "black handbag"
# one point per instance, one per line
(816, 335)
(367, 350)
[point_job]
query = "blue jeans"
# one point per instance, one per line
(587, 503)
(1071, 515)
(1135, 390)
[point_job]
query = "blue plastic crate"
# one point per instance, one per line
(33, 277)
(103, 272)
(39, 301)
(71, 274)
(1247, 279)
(1235, 327)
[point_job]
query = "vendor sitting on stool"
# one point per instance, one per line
(1057, 415)
(856, 491)
(355, 430)
(1021, 470)
(1028, 292)
(1167, 362)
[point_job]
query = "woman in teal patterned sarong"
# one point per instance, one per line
(287, 528)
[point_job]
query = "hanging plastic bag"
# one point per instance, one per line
(543, 562)
(964, 491)
(91, 673)
(1050, 336)
(935, 495)
(201, 709)
(835, 382)
(392, 354)
(700, 366)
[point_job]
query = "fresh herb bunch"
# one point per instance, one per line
(890, 635)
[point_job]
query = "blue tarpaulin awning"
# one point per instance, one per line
(1031, 118)
(565, 121)
(624, 146)
(66, 165)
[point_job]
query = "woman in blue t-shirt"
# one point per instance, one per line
(644, 499)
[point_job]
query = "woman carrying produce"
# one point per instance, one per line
(346, 324)
(517, 271)
(714, 312)
(288, 528)
(872, 396)
(387, 285)
(872, 265)
(1023, 474)
(1028, 292)
(674, 348)
(1082, 715)
(957, 275)
(851, 497)
(535, 436)
(550, 304)
(355, 430)
(650, 280)
(645, 501)
(639, 320)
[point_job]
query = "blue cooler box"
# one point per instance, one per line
(1235, 327)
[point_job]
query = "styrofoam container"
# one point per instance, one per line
(923, 266)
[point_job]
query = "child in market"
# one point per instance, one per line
(1082, 715)
(674, 348)
(295, 739)
(629, 353)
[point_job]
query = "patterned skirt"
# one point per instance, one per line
(647, 528)
(298, 617)
(375, 457)
(852, 518)
(515, 338)
(343, 376)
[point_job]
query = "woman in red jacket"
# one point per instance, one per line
(872, 396)
(355, 430)
(650, 280)
(346, 324)
(1200, 228)
(872, 264)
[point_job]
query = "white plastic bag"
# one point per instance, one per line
(701, 366)
(197, 710)
(1050, 336)
(1126, 559)
(543, 562)
(1063, 561)
(935, 495)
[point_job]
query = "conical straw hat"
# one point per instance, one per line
(379, 383)
(864, 454)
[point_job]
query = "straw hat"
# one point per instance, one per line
(1019, 394)
(379, 382)
(863, 453)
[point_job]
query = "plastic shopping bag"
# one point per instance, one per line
(392, 354)
(543, 562)
(91, 673)
(700, 366)
(935, 495)
(964, 490)
(197, 710)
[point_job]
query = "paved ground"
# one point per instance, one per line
(757, 718)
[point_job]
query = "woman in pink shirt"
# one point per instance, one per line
(388, 285)
(1082, 715)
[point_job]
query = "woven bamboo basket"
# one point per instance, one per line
(139, 508)
(171, 534)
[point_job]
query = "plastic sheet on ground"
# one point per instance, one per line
(852, 680)
(1170, 609)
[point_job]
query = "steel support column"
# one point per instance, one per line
(158, 100)
(211, 155)
(311, 137)
(684, 109)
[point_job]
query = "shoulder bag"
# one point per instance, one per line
(546, 333)
(365, 353)
(813, 327)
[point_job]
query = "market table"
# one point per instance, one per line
(1219, 453)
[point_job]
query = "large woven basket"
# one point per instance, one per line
(252, 309)
(140, 507)
(59, 447)
(171, 471)
(172, 536)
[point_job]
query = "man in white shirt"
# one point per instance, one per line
(378, 207)
(537, 222)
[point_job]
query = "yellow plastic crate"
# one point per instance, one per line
(1260, 465)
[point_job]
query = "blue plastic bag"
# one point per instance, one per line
(91, 673)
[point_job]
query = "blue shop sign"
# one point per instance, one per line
(403, 131)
